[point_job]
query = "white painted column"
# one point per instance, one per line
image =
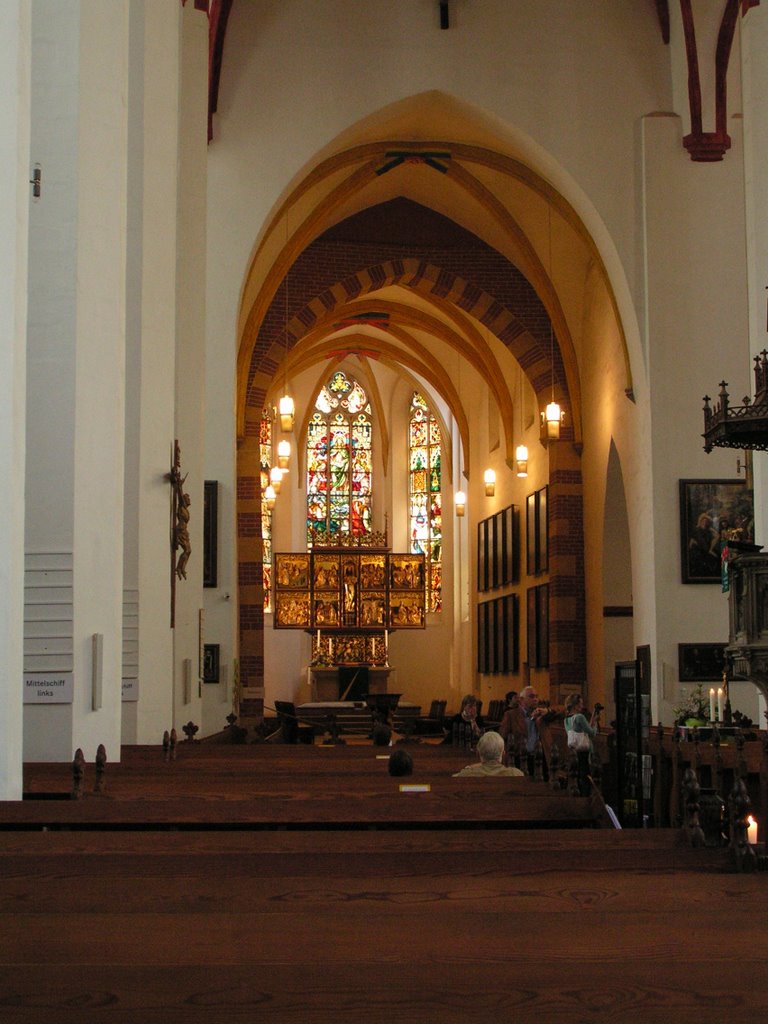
(77, 284)
(165, 358)
(14, 206)
(100, 370)
(190, 347)
(151, 362)
(697, 334)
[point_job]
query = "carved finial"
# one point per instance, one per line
(189, 731)
(101, 764)
(78, 771)
(691, 790)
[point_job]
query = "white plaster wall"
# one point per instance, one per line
(14, 217)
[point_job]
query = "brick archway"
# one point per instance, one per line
(316, 300)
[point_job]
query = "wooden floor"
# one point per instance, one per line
(231, 924)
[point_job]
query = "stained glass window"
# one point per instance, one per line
(425, 495)
(339, 459)
(265, 459)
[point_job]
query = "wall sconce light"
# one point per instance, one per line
(490, 482)
(276, 478)
(283, 454)
(552, 419)
(460, 501)
(286, 409)
(36, 181)
(521, 458)
(270, 497)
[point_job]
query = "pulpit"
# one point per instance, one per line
(747, 650)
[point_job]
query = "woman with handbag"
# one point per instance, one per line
(580, 733)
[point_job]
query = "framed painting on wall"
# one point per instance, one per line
(482, 637)
(511, 629)
(530, 535)
(701, 663)
(711, 511)
(210, 533)
(537, 626)
(537, 532)
(211, 663)
(510, 545)
(482, 555)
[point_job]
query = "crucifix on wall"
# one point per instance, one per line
(180, 503)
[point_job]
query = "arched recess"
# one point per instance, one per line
(617, 572)
(403, 307)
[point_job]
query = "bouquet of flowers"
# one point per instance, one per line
(693, 705)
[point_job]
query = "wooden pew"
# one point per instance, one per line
(716, 765)
(199, 927)
(295, 786)
(301, 884)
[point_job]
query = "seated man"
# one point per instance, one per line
(490, 748)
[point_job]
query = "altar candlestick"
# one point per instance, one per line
(720, 704)
(712, 704)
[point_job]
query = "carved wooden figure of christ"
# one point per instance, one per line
(180, 503)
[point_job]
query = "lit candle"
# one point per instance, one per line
(373, 649)
(751, 830)
(720, 700)
(386, 640)
(712, 704)
(318, 638)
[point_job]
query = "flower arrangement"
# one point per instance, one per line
(693, 705)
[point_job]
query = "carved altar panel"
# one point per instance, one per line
(292, 596)
(344, 591)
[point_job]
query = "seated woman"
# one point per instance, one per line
(466, 718)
